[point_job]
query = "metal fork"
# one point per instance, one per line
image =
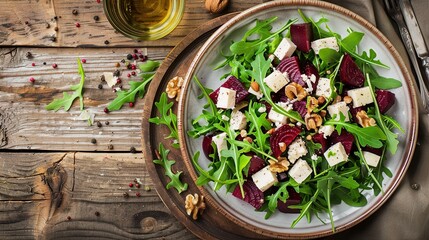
(395, 13)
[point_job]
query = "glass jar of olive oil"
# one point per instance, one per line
(144, 19)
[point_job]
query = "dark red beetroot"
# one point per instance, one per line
(252, 194)
(300, 107)
(354, 111)
(345, 138)
(302, 34)
(234, 84)
(291, 66)
(294, 199)
(385, 100)
(207, 146)
(285, 134)
(318, 138)
(256, 164)
(309, 69)
(282, 177)
(350, 74)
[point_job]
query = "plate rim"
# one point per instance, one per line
(408, 152)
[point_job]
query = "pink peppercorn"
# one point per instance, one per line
(33, 64)
(129, 75)
(131, 104)
(118, 81)
(77, 24)
(84, 60)
(130, 184)
(138, 194)
(54, 65)
(32, 80)
(106, 110)
(133, 73)
(133, 67)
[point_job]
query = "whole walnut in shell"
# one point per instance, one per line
(216, 6)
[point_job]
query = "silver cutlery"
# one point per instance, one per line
(394, 10)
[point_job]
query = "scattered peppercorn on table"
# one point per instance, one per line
(60, 176)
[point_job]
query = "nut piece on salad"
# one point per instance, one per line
(313, 121)
(173, 87)
(294, 90)
(364, 120)
(279, 166)
(194, 204)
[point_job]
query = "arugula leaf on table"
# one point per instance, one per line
(124, 97)
(68, 99)
(167, 164)
(260, 68)
(167, 117)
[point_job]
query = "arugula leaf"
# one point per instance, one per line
(305, 210)
(204, 175)
(242, 47)
(329, 55)
(325, 187)
(68, 99)
(262, 28)
(167, 117)
(391, 123)
(352, 41)
(167, 164)
(149, 66)
(257, 124)
(259, 70)
(281, 194)
(385, 83)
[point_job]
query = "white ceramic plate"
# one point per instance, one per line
(405, 111)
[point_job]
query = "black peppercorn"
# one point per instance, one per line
(133, 150)
(97, 213)
(130, 57)
(56, 29)
(93, 141)
(106, 122)
(110, 147)
(100, 86)
(75, 12)
(99, 124)
(96, 18)
(106, 42)
(117, 73)
(44, 63)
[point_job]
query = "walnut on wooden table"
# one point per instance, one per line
(194, 204)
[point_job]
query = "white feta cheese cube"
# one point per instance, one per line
(276, 81)
(336, 154)
(371, 158)
(264, 178)
(258, 94)
(300, 171)
(296, 150)
(361, 96)
(326, 130)
(110, 79)
(226, 98)
(238, 120)
(323, 88)
(220, 142)
(277, 117)
(285, 49)
(330, 42)
(337, 108)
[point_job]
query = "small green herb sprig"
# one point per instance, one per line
(148, 69)
(167, 164)
(68, 99)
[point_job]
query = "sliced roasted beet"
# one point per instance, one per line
(285, 134)
(346, 138)
(252, 194)
(291, 66)
(385, 100)
(234, 84)
(207, 146)
(354, 111)
(294, 199)
(256, 164)
(350, 74)
(302, 34)
(309, 69)
(318, 138)
(376, 151)
(300, 107)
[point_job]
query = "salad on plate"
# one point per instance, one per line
(300, 122)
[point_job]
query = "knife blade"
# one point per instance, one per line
(414, 28)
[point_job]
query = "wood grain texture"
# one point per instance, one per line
(15, 31)
(92, 203)
(24, 122)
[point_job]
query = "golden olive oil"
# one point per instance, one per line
(144, 19)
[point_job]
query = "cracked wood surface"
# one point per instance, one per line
(37, 14)
(59, 195)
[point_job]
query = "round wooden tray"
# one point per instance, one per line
(211, 225)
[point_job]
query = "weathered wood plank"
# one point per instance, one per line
(91, 186)
(14, 31)
(24, 122)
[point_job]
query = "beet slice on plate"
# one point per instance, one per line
(290, 65)
(252, 194)
(284, 134)
(302, 34)
(294, 199)
(207, 146)
(256, 164)
(350, 74)
(300, 107)
(346, 138)
(385, 100)
(318, 138)
(234, 84)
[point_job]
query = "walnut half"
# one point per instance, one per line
(280, 166)
(313, 121)
(364, 120)
(194, 204)
(173, 87)
(294, 90)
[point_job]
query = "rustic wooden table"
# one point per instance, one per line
(55, 183)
